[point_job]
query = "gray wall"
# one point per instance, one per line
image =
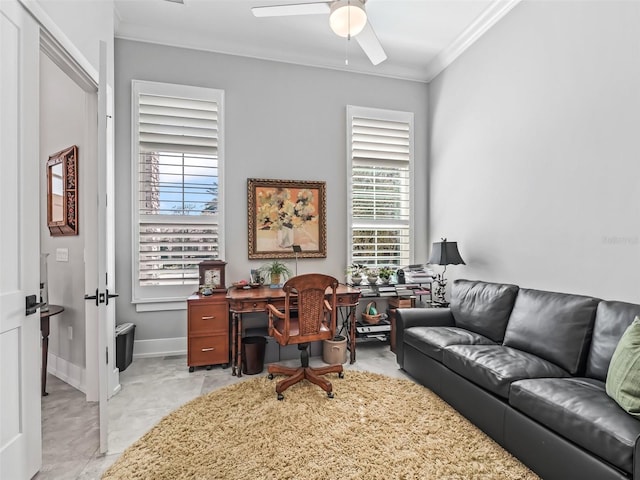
(534, 165)
(63, 113)
(282, 121)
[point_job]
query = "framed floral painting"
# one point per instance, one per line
(284, 213)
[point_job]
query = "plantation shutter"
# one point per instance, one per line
(381, 163)
(178, 179)
(181, 125)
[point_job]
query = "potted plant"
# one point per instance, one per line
(276, 271)
(356, 270)
(385, 274)
(372, 275)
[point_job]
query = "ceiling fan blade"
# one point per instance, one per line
(370, 44)
(297, 9)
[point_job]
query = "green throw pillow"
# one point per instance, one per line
(623, 377)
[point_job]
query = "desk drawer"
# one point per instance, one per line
(248, 306)
(208, 319)
(349, 300)
(211, 350)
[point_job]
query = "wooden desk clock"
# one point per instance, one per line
(211, 276)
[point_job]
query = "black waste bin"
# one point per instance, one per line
(125, 333)
(253, 354)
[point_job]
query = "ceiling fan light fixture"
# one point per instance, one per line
(347, 17)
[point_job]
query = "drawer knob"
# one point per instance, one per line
(255, 305)
(210, 317)
(210, 349)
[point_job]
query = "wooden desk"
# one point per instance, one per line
(44, 330)
(256, 299)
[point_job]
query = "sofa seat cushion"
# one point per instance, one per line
(580, 410)
(432, 340)
(495, 367)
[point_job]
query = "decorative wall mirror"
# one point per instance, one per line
(62, 192)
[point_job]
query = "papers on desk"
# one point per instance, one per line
(418, 274)
(397, 290)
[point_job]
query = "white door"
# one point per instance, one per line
(20, 436)
(99, 261)
(109, 374)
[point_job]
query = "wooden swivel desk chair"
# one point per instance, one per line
(316, 320)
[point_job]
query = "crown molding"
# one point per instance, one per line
(488, 18)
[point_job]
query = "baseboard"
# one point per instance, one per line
(159, 347)
(67, 372)
(163, 347)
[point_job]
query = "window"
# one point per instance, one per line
(177, 188)
(380, 184)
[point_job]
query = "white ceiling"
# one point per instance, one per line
(420, 37)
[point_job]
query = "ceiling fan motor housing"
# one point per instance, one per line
(347, 17)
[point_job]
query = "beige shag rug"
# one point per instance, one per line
(376, 427)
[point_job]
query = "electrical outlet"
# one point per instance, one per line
(70, 332)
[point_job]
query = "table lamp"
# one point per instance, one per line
(296, 249)
(444, 253)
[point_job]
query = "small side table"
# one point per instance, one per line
(44, 330)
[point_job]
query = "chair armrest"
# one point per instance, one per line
(419, 317)
(327, 306)
(273, 310)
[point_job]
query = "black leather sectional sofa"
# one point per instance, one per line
(528, 367)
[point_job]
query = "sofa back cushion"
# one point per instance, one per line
(482, 307)
(612, 319)
(554, 326)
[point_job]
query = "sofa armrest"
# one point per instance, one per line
(419, 317)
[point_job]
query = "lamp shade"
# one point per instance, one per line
(347, 17)
(445, 253)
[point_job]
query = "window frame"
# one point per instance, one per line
(170, 297)
(382, 115)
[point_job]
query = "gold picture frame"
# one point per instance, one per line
(284, 213)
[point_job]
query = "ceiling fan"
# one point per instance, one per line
(347, 18)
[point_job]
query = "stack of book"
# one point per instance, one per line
(387, 291)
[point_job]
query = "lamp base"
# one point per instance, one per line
(439, 290)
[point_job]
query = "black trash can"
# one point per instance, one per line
(253, 354)
(125, 333)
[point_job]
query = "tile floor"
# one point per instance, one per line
(151, 388)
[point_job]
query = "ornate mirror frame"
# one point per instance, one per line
(62, 192)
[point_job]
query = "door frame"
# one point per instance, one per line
(59, 48)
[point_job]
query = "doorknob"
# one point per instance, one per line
(101, 297)
(92, 297)
(111, 295)
(31, 304)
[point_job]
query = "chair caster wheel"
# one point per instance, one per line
(340, 374)
(270, 376)
(209, 367)
(192, 369)
(280, 396)
(330, 394)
